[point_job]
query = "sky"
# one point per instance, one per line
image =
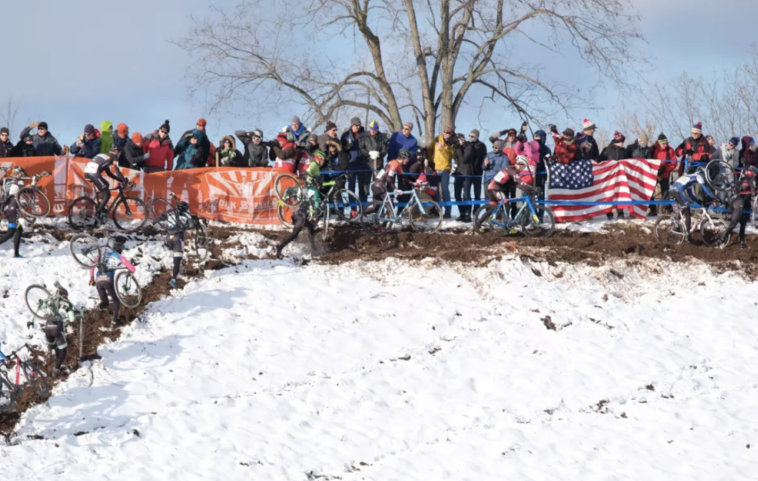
(76, 62)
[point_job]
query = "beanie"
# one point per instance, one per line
(498, 144)
(137, 137)
(475, 134)
(122, 129)
(734, 141)
(644, 138)
(89, 129)
(662, 139)
(166, 127)
(355, 121)
(42, 125)
(587, 124)
(202, 123)
(330, 125)
(5, 130)
(697, 128)
(449, 129)
(408, 125)
(373, 125)
(541, 134)
(569, 132)
(295, 119)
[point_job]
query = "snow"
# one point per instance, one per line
(403, 371)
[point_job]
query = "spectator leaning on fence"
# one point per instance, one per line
(585, 142)
(441, 152)
(748, 153)
(373, 146)
(402, 140)
(229, 156)
(25, 147)
(481, 153)
(565, 145)
(88, 143)
(256, 152)
(44, 142)
(161, 150)
(119, 138)
(662, 151)
(6, 146)
(695, 147)
(133, 154)
(728, 153)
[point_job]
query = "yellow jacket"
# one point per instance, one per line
(443, 158)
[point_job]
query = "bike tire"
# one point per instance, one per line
(85, 250)
(163, 214)
(327, 215)
(720, 175)
(345, 201)
(81, 214)
(35, 378)
(424, 218)
(127, 289)
(754, 212)
(33, 202)
(7, 394)
(287, 188)
(371, 220)
(483, 219)
(199, 247)
(34, 296)
(670, 230)
(713, 232)
(285, 214)
(532, 226)
(130, 214)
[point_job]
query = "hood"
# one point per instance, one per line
(231, 139)
(542, 135)
(106, 127)
(199, 134)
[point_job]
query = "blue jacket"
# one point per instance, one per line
(498, 162)
(109, 270)
(90, 149)
(351, 145)
(399, 141)
(190, 154)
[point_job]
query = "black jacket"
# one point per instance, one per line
(481, 153)
(6, 149)
(634, 151)
(593, 153)
(465, 157)
(254, 155)
(118, 141)
(613, 152)
(133, 156)
(378, 142)
(22, 149)
(45, 146)
(11, 211)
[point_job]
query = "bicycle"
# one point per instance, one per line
(345, 203)
(88, 252)
(31, 200)
(424, 216)
(176, 215)
(671, 229)
(527, 220)
(299, 195)
(129, 214)
(11, 389)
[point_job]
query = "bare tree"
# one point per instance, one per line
(632, 124)
(8, 114)
(418, 58)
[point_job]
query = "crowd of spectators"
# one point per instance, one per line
(452, 159)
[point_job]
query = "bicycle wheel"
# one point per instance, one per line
(33, 202)
(669, 229)
(285, 215)
(347, 205)
(713, 231)
(720, 175)
(85, 249)
(483, 218)
(81, 214)
(198, 245)
(127, 289)
(532, 226)
(163, 214)
(327, 212)
(7, 394)
(426, 217)
(288, 189)
(38, 301)
(375, 211)
(130, 214)
(35, 378)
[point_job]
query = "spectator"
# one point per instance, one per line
(204, 141)
(350, 142)
(566, 150)
(402, 140)
(507, 133)
(748, 154)
(6, 146)
(478, 169)
(330, 133)
(106, 137)
(711, 144)
(297, 133)
(441, 153)
(374, 147)
(191, 153)
(695, 147)
(465, 159)
(44, 142)
(120, 139)
(336, 159)
(540, 137)
(586, 143)
(283, 153)
(133, 153)
(615, 150)
(495, 161)
(161, 150)
(728, 153)
(25, 147)
(640, 148)
(528, 149)
(87, 145)
(256, 152)
(229, 155)
(663, 152)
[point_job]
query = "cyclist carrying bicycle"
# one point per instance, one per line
(175, 242)
(14, 227)
(94, 170)
(103, 280)
(55, 331)
(684, 186)
(744, 190)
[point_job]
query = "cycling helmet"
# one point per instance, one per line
(404, 154)
(13, 190)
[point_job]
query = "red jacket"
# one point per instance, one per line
(701, 149)
(564, 153)
(665, 153)
(161, 152)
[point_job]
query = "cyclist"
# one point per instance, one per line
(518, 175)
(103, 280)
(14, 227)
(55, 331)
(684, 187)
(94, 170)
(308, 212)
(175, 242)
(386, 178)
(742, 195)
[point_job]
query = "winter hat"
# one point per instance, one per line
(475, 134)
(28, 138)
(42, 125)
(662, 139)
(461, 137)
(295, 120)
(166, 127)
(449, 129)
(355, 121)
(734, 141)
(373, 125)
(330, 125)
(644, 138)
(498, 144)
(122, 129)
(511, 131)
(541, 134)
(258, 133)
(697, 128)
(89, 129)
(587, 124)
(5, 130)
(408, 125)
(202, 123)
(569, 132)
(136, 137)
(618, 136)
(190, 136)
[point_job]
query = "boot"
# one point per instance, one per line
(279, 252)
(172, 283)
(723, 241)
(743, 245)
(609, 215)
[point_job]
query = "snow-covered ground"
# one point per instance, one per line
(389, 371)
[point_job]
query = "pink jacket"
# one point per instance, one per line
(530, 150)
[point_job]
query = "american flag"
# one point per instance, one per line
(607, 182)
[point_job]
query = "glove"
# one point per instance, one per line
(373, 154)
(553, 129)
(523, 126)
(65, 150)
(92, 281)
(146, 156)
(689, 152)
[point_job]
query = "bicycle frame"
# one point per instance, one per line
(413, 202)
(526, 202)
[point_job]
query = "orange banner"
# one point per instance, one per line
(228, 194)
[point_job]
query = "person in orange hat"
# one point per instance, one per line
(119, 139)
(205, 142)
(133, 153)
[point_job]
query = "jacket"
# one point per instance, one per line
(161, 152)
(481, 152)
(368, 143)
(497, 162)
(701, 149)
(89, 150)
(120, 142)
(6, 149)
(191, 156)
(106, 137)
(231, 157)
(399, 141)
(667, 153)
(254, 155)
(45, 146)
(465, 158)
(442, 157)
(530, 150)
(300, 135)
(634, 151)
(747, 156)
(11, 212)
(338, 162)
(133, 155)
(612, 152)
(22, 149)
(732, 158)
(586, 147)
(565, 153)
(351, 144)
